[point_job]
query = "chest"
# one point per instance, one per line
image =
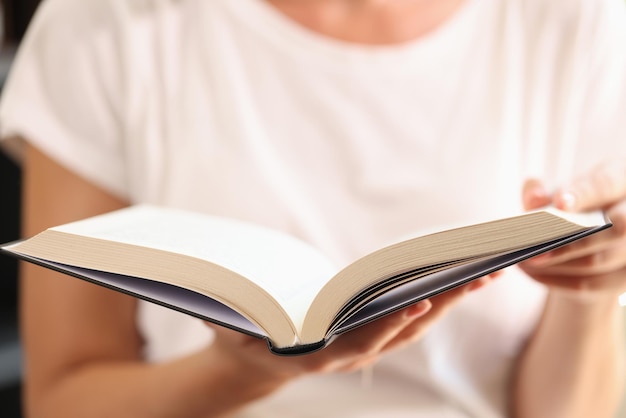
(343, 154)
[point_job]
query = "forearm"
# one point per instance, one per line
(573, 364)
(200, 385)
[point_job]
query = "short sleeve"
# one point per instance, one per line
(63, 93)
(603, 119)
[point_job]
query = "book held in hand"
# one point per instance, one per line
(271, 285)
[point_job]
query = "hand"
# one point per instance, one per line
(594, 267)
(348, 352)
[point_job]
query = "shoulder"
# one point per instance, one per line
(566, 35)
(102, 33)
(571, 17)
(74, 16)
(80, 18)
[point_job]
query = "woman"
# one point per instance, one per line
(346, 123)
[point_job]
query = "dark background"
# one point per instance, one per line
(17, 14)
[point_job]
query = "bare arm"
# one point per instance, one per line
(83, 350)
(573, 365)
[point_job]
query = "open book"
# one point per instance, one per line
(271, 285)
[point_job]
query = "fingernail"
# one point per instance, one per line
(538, 192)
(567, 200)
(538, 260)
(475, 285)
(418, 309)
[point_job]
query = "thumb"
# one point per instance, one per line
(534, 194)
(600, 188)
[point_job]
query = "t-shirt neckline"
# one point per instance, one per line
(286, 33)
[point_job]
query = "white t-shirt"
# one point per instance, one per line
(230, 108)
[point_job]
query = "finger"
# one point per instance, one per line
(604, 286)
(370, 338)
(363, 346)
(599, 189)
(534, 194)
(583, 248)
(406, 326)
(416, 329)
(441, 304)
(596, 263)
(483, 281)
(617, 215)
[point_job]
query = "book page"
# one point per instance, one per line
(173, 297)
(288, 269)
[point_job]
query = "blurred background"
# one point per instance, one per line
(14, 18)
